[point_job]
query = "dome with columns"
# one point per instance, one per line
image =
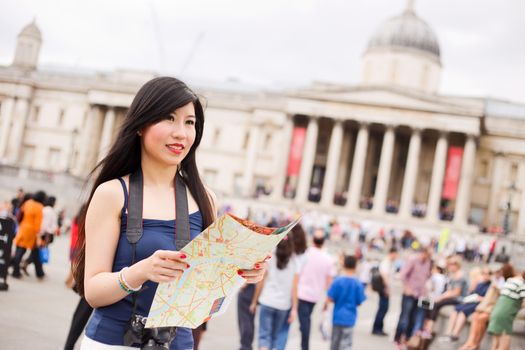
(406, 31)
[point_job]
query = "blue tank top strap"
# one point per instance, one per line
(125, 189)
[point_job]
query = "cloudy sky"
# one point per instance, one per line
(274, 43)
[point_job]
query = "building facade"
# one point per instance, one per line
(391, 148)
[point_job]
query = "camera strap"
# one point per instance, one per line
(134, 229)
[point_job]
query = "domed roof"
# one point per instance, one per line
(31, 30)
(406, 30)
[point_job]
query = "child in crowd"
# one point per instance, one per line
(347, 293)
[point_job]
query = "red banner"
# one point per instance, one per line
(296, 151)
(452, 172)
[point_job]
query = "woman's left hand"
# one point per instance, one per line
(254, 275)
(257, 273)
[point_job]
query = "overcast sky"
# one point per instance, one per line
(274, 43)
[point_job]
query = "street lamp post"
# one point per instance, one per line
(508, 210)
(74, 135)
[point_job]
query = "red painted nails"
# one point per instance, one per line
(257, 266)
(239, 272)
(183, 256)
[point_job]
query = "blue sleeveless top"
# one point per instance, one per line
(109, 323)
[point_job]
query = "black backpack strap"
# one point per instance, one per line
(182, 223)
(134, 224)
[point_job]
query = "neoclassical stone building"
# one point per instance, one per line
(391, 148)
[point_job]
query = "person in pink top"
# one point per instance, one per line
(314, 280)
(414, 275)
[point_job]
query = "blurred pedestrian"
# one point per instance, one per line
(276, 294)
(27, 236)
(480, 318)
(414, 276)
(347, 293)
(316, 276)
(298, 236)
(48, 229)
(386, 272)
(505, 311)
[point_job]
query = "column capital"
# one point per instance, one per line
(443, 133)
(470, 136)
(416, 130)
(390, 126)
(363, 125)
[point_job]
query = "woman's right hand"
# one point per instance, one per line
(163, 266)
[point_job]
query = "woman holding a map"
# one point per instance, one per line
(157, 141)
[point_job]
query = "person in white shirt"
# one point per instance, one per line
(386, 271)
(277, 295)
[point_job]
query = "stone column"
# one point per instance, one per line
(107, 131)
(286, 142)
(358, 169)
(7, 117)
(251, 157)
(438, 174)
(465, 183)
(410, 178)
(521, 210)
(332, 164)
(498, 166)
(16, 136)
(307, 163)
(385, 164)
(90, 141)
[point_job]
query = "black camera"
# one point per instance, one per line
(149, 338)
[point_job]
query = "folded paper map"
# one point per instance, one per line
(215, 256)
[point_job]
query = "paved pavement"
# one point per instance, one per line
(36, 315)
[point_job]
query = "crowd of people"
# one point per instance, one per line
(297, 279)
(471, 277)
(37, 223)
(302, 275)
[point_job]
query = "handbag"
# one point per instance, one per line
(425, 303)
(43, 253)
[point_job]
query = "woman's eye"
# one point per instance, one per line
(190, 122)
(170, 118)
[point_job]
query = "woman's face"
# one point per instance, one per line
(170, 140)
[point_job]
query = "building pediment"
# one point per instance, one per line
(393, 97)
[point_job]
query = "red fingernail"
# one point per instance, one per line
(183, 256)
(239, 272)
(187, 266)
(257, 266)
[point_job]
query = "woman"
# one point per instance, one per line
(455, 289)
(47, 230)
(480, 318)
(298, 236)
(277, 295)
(462, 311)
(27, 236)
(159, 137)
(505, 310)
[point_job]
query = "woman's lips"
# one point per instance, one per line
(176, 148)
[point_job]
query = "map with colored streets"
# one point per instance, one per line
(215, 255)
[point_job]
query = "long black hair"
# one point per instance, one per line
(284, 252)
(156, 100)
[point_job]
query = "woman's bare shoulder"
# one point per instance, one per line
(109, 194)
